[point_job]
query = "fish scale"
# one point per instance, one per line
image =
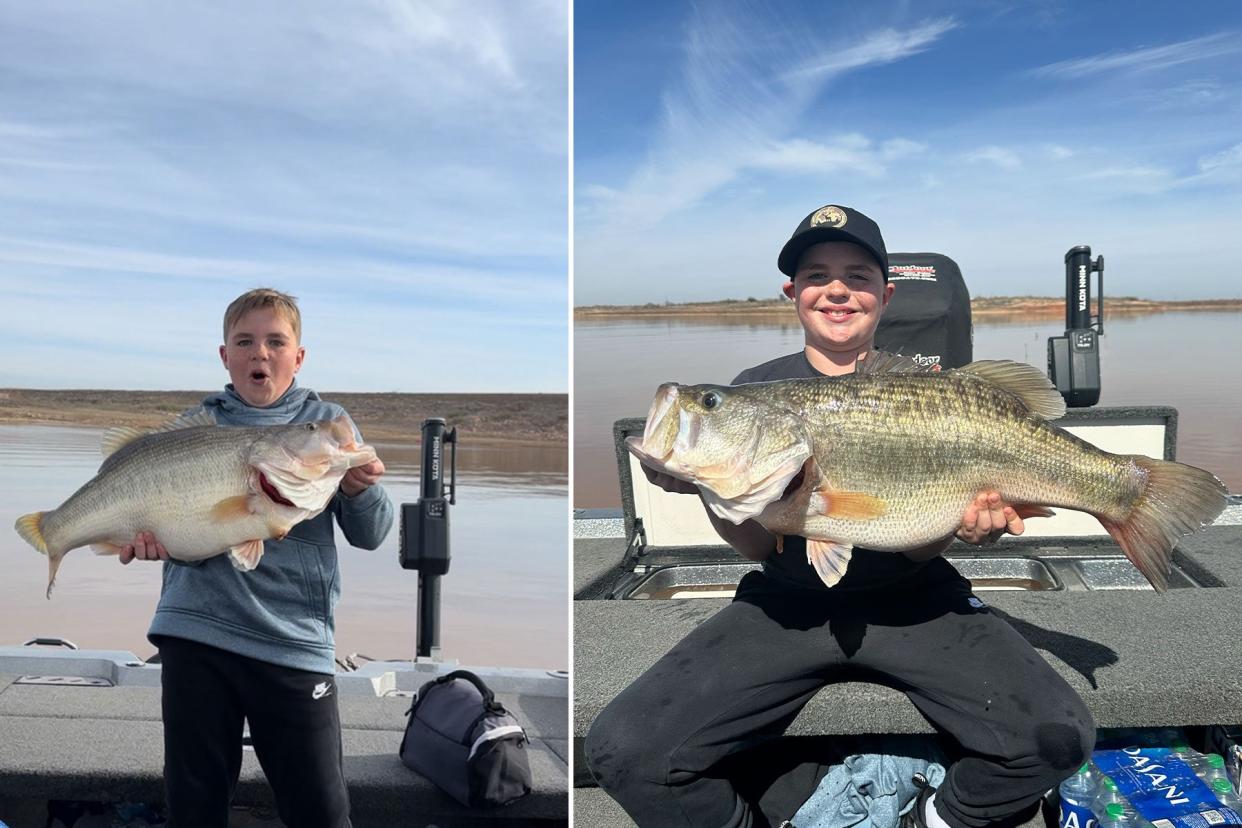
(891, 457)
(157, 472)
(929, 465)
(197, 489)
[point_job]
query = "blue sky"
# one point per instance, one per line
(1000, 134)
(401, 167)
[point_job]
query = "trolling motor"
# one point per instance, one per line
(1074, 359)
(425, 533)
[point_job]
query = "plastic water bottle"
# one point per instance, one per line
(1212, 767)
(1077, 796)
(1107, 795)
(1116, 815)
(1226, 794)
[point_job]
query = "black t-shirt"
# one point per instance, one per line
(868, 568)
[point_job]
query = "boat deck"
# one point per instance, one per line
(105, 743)
(1138, 658)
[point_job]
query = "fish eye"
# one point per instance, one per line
(312, 427)
(710, 400)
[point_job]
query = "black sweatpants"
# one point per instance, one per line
(744, 674)
(295, 727)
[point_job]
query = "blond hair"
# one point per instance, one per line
(283, 303)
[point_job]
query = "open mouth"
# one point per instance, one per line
(271, 492)
(837, 313)
(796, 482)
(257, 376)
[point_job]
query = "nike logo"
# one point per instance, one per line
(322, 689)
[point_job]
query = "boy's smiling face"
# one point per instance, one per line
(262, 354)
(840, 292)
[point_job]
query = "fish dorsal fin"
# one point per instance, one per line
(882, 362)
(115, 439)
(1026, 382)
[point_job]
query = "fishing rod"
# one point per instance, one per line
(425, 531)
(1074, 359)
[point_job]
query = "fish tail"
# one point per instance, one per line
(1176, 500)
(30, 527)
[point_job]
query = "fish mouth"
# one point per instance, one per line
(272, 492)
(343, 434)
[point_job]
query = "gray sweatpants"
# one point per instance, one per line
(744, 674)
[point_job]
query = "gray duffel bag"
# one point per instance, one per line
(462, 739)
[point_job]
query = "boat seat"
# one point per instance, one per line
(928, 318)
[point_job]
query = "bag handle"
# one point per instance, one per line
(489, 698)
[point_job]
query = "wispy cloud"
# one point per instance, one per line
(744, 79)
(1146, 58)
(878, 48)
(1001, 157)
(851, 151)
(396, 160)
(1229, 160)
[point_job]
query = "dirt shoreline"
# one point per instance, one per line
(497, 419)
(984, 307)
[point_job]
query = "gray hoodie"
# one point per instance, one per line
(282, 612)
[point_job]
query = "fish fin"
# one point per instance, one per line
(280, 528)
(1030, 510)
(232, 508)
(105, 548)
(30, 527)
(245, 555)
(1177, 500)
(830, 559)
(883, 362)
(780, 544)
(1026, 382)
(846, 505)
(115, 439)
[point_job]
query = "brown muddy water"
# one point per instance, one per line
(1187, 360)
(504, 598)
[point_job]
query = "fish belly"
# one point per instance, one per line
(168, 490)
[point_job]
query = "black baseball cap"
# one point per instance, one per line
(833, 223)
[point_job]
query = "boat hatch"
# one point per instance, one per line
(1018, 573)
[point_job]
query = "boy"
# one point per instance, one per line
(259, 645)
(909, 619)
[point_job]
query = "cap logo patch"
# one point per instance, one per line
(830, 215)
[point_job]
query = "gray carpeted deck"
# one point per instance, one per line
(1139, 659)
(106, 743)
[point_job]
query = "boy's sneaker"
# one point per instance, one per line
(913, 818)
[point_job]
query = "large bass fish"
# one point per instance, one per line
(889, 457)
(201, 489)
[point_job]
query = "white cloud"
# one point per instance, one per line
(1058, 152)
(744, 81)
(877, 49)
(853, 152)
(1145, 59)
(1229, 160)
(1004, 158)
(401, 162)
